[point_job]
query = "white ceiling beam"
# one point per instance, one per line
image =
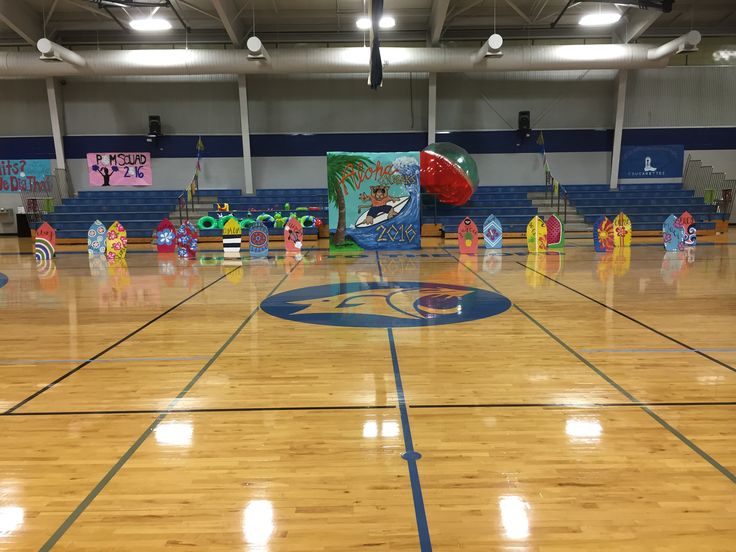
(50, 13)
(437, 20)
(516, 8)
(234, 26)
(635, 23)
(89, 7)
(198, 10)
(22, 19)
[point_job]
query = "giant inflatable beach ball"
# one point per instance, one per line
(449, 172)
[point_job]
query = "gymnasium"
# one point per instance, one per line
(402, 275)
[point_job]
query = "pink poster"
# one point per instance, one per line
(120, 169)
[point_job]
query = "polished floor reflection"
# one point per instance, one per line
(397, 401)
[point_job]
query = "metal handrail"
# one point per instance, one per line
(182, 201)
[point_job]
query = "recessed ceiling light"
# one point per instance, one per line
(363, 23)
(599, 19)
(387, 22)
(150, 24)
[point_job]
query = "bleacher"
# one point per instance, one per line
(139, 211)
(647, 205)
(509, 203)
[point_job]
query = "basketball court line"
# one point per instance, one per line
(118, 342)
(234, 409)
(704, 455)
(410, 455)
(15, 361)
(699, 350)
(82, 506)
(208, 410)
(632, 319)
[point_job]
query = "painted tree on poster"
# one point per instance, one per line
(341, 172)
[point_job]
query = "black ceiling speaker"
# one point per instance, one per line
(525, 124)
(154, 128)
(154, 125)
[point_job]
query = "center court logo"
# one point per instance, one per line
(385, 304)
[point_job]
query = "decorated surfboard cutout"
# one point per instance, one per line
(688, 226)
(673, 234)
(603, 235)
(536, 235)
(467, 236)
(555, 232)
(165, 236)
(293, 236)
(492, 233)
(258, 238)
(96, 238)
(621, 230)
(187, 237)
(116, 242)
(232, 236)
(44, 248)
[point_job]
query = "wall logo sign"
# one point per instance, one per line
(641, 164)
(385, 304)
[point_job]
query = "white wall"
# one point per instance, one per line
(681, 96)
(24, 108)
(492, 101)
(24, 111)
(336, 103)
(123, 107)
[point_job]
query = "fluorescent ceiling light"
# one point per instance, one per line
(150, 24)
(387, 22)
(599, 19)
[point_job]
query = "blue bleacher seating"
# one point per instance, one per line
(647, 205)
(140, 211)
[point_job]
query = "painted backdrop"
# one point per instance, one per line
(24, 175)
(374, 200)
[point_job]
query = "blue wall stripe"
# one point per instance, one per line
(298, 145)
(27, 147)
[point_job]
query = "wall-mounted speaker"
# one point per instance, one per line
(154, 127)
(525, 124)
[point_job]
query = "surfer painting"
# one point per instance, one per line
(379, 204)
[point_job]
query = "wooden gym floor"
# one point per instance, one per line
(156, 406)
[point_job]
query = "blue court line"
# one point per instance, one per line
(716, 350)
(90, 360)
(410, 455)
(170, 408)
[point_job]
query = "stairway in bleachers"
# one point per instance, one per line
(647, 205)
(139, 211)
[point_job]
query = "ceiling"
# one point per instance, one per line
(81, 22)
